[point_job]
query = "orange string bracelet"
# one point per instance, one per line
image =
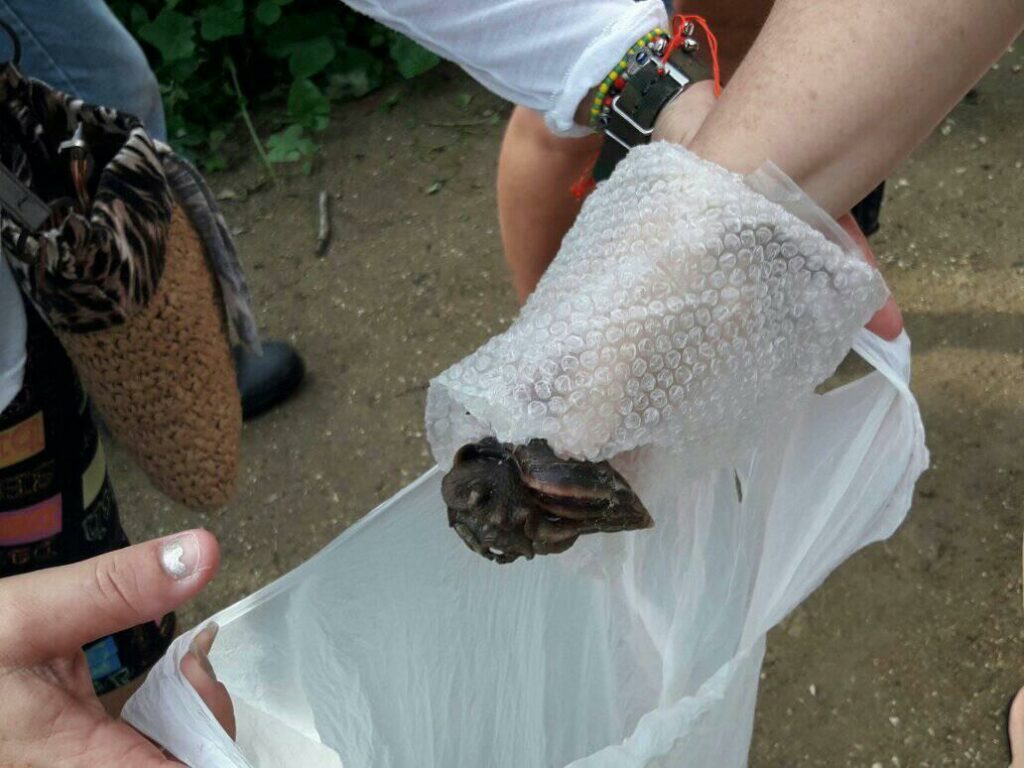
(586, 184)
(679, 23)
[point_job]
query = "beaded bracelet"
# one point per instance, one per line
(629, 123)
(651, 44)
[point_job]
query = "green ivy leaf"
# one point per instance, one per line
(354, 73)
(296, 30)
(268, 12)
(311, 58)
(411, 58)
(138, 17)
(391, 101)
(377, 35)
(224, 20)
(171, 33)
(330, 53)
(308, 106)
(214, 162)
(290, 145)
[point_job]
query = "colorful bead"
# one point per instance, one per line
(618, 77)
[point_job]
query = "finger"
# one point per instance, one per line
(1016, 728)
(104, 742)
(888, 321)
(196, 668)
(54, 612)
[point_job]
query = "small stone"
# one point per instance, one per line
(894, 722)
(813, 689)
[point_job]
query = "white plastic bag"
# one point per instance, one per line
(396, 647)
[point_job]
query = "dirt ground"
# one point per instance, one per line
(906, 656)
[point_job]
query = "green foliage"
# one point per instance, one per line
(410, 58)
(217, 58)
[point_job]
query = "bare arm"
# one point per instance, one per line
(837, 93)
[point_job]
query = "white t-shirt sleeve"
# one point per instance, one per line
(542, 54)
(12, 336)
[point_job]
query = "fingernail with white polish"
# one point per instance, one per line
(180, 556)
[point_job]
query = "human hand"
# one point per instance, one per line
(679, 123)
(682, 118)
(683, 312)
(888, 321)
(49, 714)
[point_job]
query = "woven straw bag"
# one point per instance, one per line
(136, 273)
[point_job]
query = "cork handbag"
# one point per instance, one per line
(123, 252)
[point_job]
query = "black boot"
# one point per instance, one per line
(267, 380)
(866, 212)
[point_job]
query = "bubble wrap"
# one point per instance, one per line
(685, 311)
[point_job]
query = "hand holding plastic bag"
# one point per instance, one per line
(49, 712)
(395, 646)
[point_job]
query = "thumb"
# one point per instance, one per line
(54, 612)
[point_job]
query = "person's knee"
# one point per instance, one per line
(527, 127)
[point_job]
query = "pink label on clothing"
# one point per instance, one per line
(40, 521)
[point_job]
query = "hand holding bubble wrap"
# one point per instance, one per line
(685, 310)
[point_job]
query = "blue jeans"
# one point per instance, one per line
(79, 47)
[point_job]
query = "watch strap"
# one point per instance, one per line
(651, 87)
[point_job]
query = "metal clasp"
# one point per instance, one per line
(629, 120)
(20, 202)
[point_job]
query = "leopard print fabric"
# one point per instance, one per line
(84, 272)
(195, 197)
(93, 270)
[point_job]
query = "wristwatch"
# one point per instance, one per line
(652, 85)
